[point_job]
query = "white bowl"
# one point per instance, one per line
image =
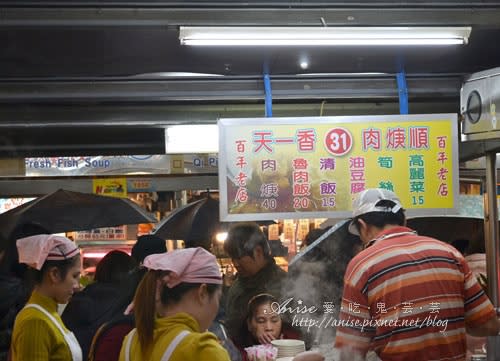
(288, 348)
(288, 343)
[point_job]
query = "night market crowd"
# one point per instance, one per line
(405, 296)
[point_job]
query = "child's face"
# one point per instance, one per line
(265, 321)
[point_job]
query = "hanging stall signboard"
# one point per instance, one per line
(119, 165)
(313, 167)
(111, 187)
(118, 233)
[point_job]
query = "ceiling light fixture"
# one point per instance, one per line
(322, 36)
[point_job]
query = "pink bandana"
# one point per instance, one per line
(35, 250)
(190, 265)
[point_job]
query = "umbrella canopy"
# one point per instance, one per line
(196, 221)
(64, 211)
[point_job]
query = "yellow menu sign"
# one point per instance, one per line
(313, 167)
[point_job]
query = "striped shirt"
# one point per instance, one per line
(409, 297)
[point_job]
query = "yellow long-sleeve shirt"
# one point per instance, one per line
(35, 337)
(196, 346)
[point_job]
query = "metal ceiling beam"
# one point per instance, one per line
(37, 186)
(158, 116)
(225, 89)
(155, 14)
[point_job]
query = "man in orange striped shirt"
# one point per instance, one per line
(407, 297)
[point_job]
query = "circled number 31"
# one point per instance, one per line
(338, 141)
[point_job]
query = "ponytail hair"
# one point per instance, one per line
(145, 312)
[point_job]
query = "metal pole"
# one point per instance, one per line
(403, 92)
(268, 97)
(491, 242)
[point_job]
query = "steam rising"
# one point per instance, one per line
(316, 279)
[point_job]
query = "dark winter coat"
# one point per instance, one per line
(268, 280)
(89, 309)
(13, 297)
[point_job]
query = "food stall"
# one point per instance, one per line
(479, 105)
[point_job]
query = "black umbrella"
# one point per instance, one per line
(64, 211)
(196, 221)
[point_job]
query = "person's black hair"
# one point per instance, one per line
(312, 235)
(256, 301)
(63, 266)
(461, 245)
(382, 219)
(114, 267)
(477, 245)
(243, 238)
(146, 245)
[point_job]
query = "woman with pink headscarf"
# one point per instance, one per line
(175, 303)
(39, 333)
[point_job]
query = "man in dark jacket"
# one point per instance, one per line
(258, 273)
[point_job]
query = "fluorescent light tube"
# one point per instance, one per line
(322, 36)
(192, 138)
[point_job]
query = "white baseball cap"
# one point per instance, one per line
(367, 202)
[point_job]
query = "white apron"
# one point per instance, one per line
(168, 352)
(69, 337)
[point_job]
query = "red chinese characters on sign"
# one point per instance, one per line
(357, 173)
(419, 137)
(300, 177)
(264, 140)
(371, 139)
(241, 178)
(443, 171)
(301, 187)
(241, 195)
(300, 163)
(442, 157)
(306, 140)
(240, 146)
(240, 162)
(396, 138)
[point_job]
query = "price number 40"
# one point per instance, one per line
(269, 203)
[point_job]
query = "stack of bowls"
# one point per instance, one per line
(289, 348)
